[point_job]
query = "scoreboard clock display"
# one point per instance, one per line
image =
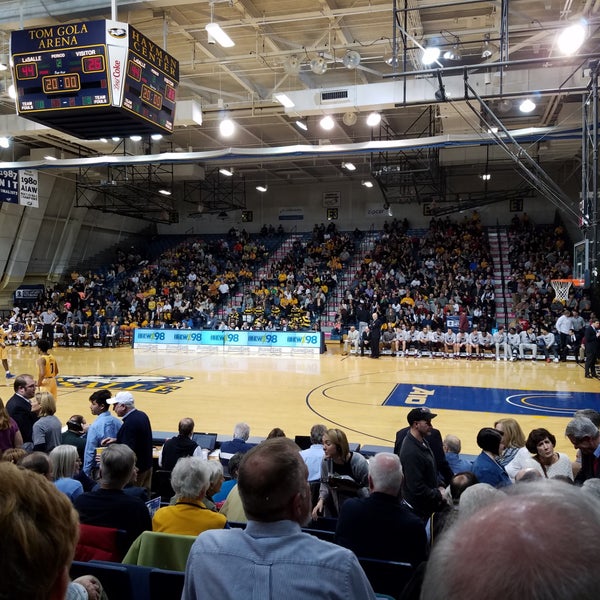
(94, 79)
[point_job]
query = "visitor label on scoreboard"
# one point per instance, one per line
(19, 186)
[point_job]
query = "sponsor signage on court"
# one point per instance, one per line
(254, 339)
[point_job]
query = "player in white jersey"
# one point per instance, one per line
(449, 343)
(501, 343)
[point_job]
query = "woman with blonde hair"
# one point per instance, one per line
(66, 463)
(515, 455)
(343, 474)
(10, 436)
(47, 430)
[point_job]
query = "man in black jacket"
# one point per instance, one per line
(421, 490)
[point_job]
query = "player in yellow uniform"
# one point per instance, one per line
(4, 353)
(47, 368)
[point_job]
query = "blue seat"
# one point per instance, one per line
(165, 584)
(115, 578)
(386, 576)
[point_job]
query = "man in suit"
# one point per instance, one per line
(590, 339)
(380, 526)
(19, 407)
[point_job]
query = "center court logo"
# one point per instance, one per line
(155, 384)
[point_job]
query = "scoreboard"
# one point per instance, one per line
(94, 79)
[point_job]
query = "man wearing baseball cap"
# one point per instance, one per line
(136, 433)
(420, 488)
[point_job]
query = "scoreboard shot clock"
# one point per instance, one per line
(94, 79)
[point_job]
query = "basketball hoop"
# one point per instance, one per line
(562, 287)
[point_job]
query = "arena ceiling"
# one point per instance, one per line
(275, 42)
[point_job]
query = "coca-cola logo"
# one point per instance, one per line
(116, 73)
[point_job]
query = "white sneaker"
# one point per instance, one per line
(555, 360)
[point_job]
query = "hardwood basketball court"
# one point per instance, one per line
(367, 398)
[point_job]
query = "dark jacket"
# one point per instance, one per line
(175, 448)
(136, 433)
(19, 409)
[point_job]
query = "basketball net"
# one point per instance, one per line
(561, 289)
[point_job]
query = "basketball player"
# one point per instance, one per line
(4, 352)
(47, 368)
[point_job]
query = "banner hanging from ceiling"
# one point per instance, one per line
(19, 186)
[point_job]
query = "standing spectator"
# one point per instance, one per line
(375, 329)
(136, 433)
(105, 426)
(47, 430)
(590, 339)
(380, 526)
(421, 490)
(10, 436)
(272, 558)
(177, 447)
(564, 324)
(47, 368)
(19, 408)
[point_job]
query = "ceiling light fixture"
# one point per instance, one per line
(50, 157)
(349, 166)
(454, 52)
(156, 136)
(135, 138)
(571, 38)
(373, 119)
(302, 125)
(488, 49)
(164, 192)
(262, 188)
(215, 31)
(318, 65)
(226, 127)
(226, 172)
(527, 106)
(486, 176)
(292, 65)
(351, 59)
(327, 122)
(367, 183)
(284, 99)
(430, 55)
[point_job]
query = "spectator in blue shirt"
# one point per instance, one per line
(452, 447)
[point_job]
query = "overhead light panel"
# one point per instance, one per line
(226, 172)
(527, 106)
(351, 59)
(302, 125)
(367, 183)
(349, 166)
(373, 119)
(327, 122)
(215, 31)
(164, 192)
(571, 38)
(318, 65)
(156, 136)
(135, 138)
(262, 188)
(284, 99)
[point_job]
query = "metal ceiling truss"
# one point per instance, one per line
(138, 191)
(217, 193)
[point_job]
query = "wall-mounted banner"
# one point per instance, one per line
(377, 210)
(28, 188)
(19, 186)
(331, 199)
(291, 214)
